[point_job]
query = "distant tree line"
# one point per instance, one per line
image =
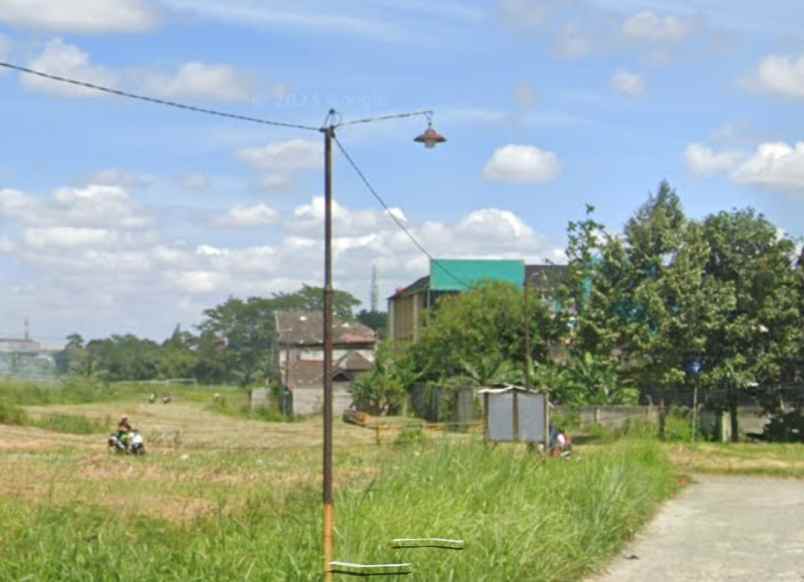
(234, 343)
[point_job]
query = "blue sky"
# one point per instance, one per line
(119, 216)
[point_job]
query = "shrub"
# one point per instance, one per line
(12, 414)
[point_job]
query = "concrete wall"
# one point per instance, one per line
(307, 401)
(751, 419)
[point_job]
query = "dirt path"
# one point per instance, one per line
(721, 529)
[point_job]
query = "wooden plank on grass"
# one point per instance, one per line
(369, 569)
(442, 543)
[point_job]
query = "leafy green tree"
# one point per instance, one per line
(249, 332)
(312, 299)
(124, 357)
(762, 332)
(474, 333)
(177, 357)
(673, 303)
(383, 390)
(376, 320)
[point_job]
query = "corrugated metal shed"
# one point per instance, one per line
(461, 274)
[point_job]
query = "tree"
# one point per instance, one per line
(474, 333)
(312, 299)
(383, 389)
(124, 357)
(762, 331)
(376, 320)
(177, 358)
(672, 300)
(248, 332)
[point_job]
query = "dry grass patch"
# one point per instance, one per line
(780, 460)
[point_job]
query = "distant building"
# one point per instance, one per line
(452, 276)
(25, 358)
(9, 345)
(300, 358)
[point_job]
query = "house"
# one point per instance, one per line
(300, 358)
(26, 358)
(451, 276)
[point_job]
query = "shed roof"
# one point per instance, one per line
(301, 328)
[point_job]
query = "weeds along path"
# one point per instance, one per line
(722, 528)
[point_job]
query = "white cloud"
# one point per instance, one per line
(196, 80)
(248, 217)
(99, 271)
(294, 14)
(193, 80)
(122, 178)
(285, 156)
(67, 237)
(648, 26)
(775, 166)
(571, 43)
(628, 84)
(780, 75)
(79, 16)
(522, 164)
(94, 206)
(66, 60)
(703, 160)
(7, 246)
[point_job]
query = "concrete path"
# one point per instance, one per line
(731, 529)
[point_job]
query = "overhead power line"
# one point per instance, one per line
(427, 113)
(156, 100)
(393, 216)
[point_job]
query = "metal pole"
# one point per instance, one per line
(329, 509)
(695, 409)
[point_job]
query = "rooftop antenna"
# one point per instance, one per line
(375, 290)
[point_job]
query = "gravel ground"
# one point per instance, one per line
(721, 529)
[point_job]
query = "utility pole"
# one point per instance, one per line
(430, 138)
(329, 510)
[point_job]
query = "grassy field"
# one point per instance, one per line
(221, 497)
(768, 459)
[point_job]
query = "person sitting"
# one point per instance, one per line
(123, 425)
(560, 442)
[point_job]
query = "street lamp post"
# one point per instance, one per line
(430, 138)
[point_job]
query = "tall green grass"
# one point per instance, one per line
(85, 390)
(521, 518)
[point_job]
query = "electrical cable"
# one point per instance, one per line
(427, 113)
(393, 216)
(156, 100)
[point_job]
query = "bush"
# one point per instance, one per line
(12, 414)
